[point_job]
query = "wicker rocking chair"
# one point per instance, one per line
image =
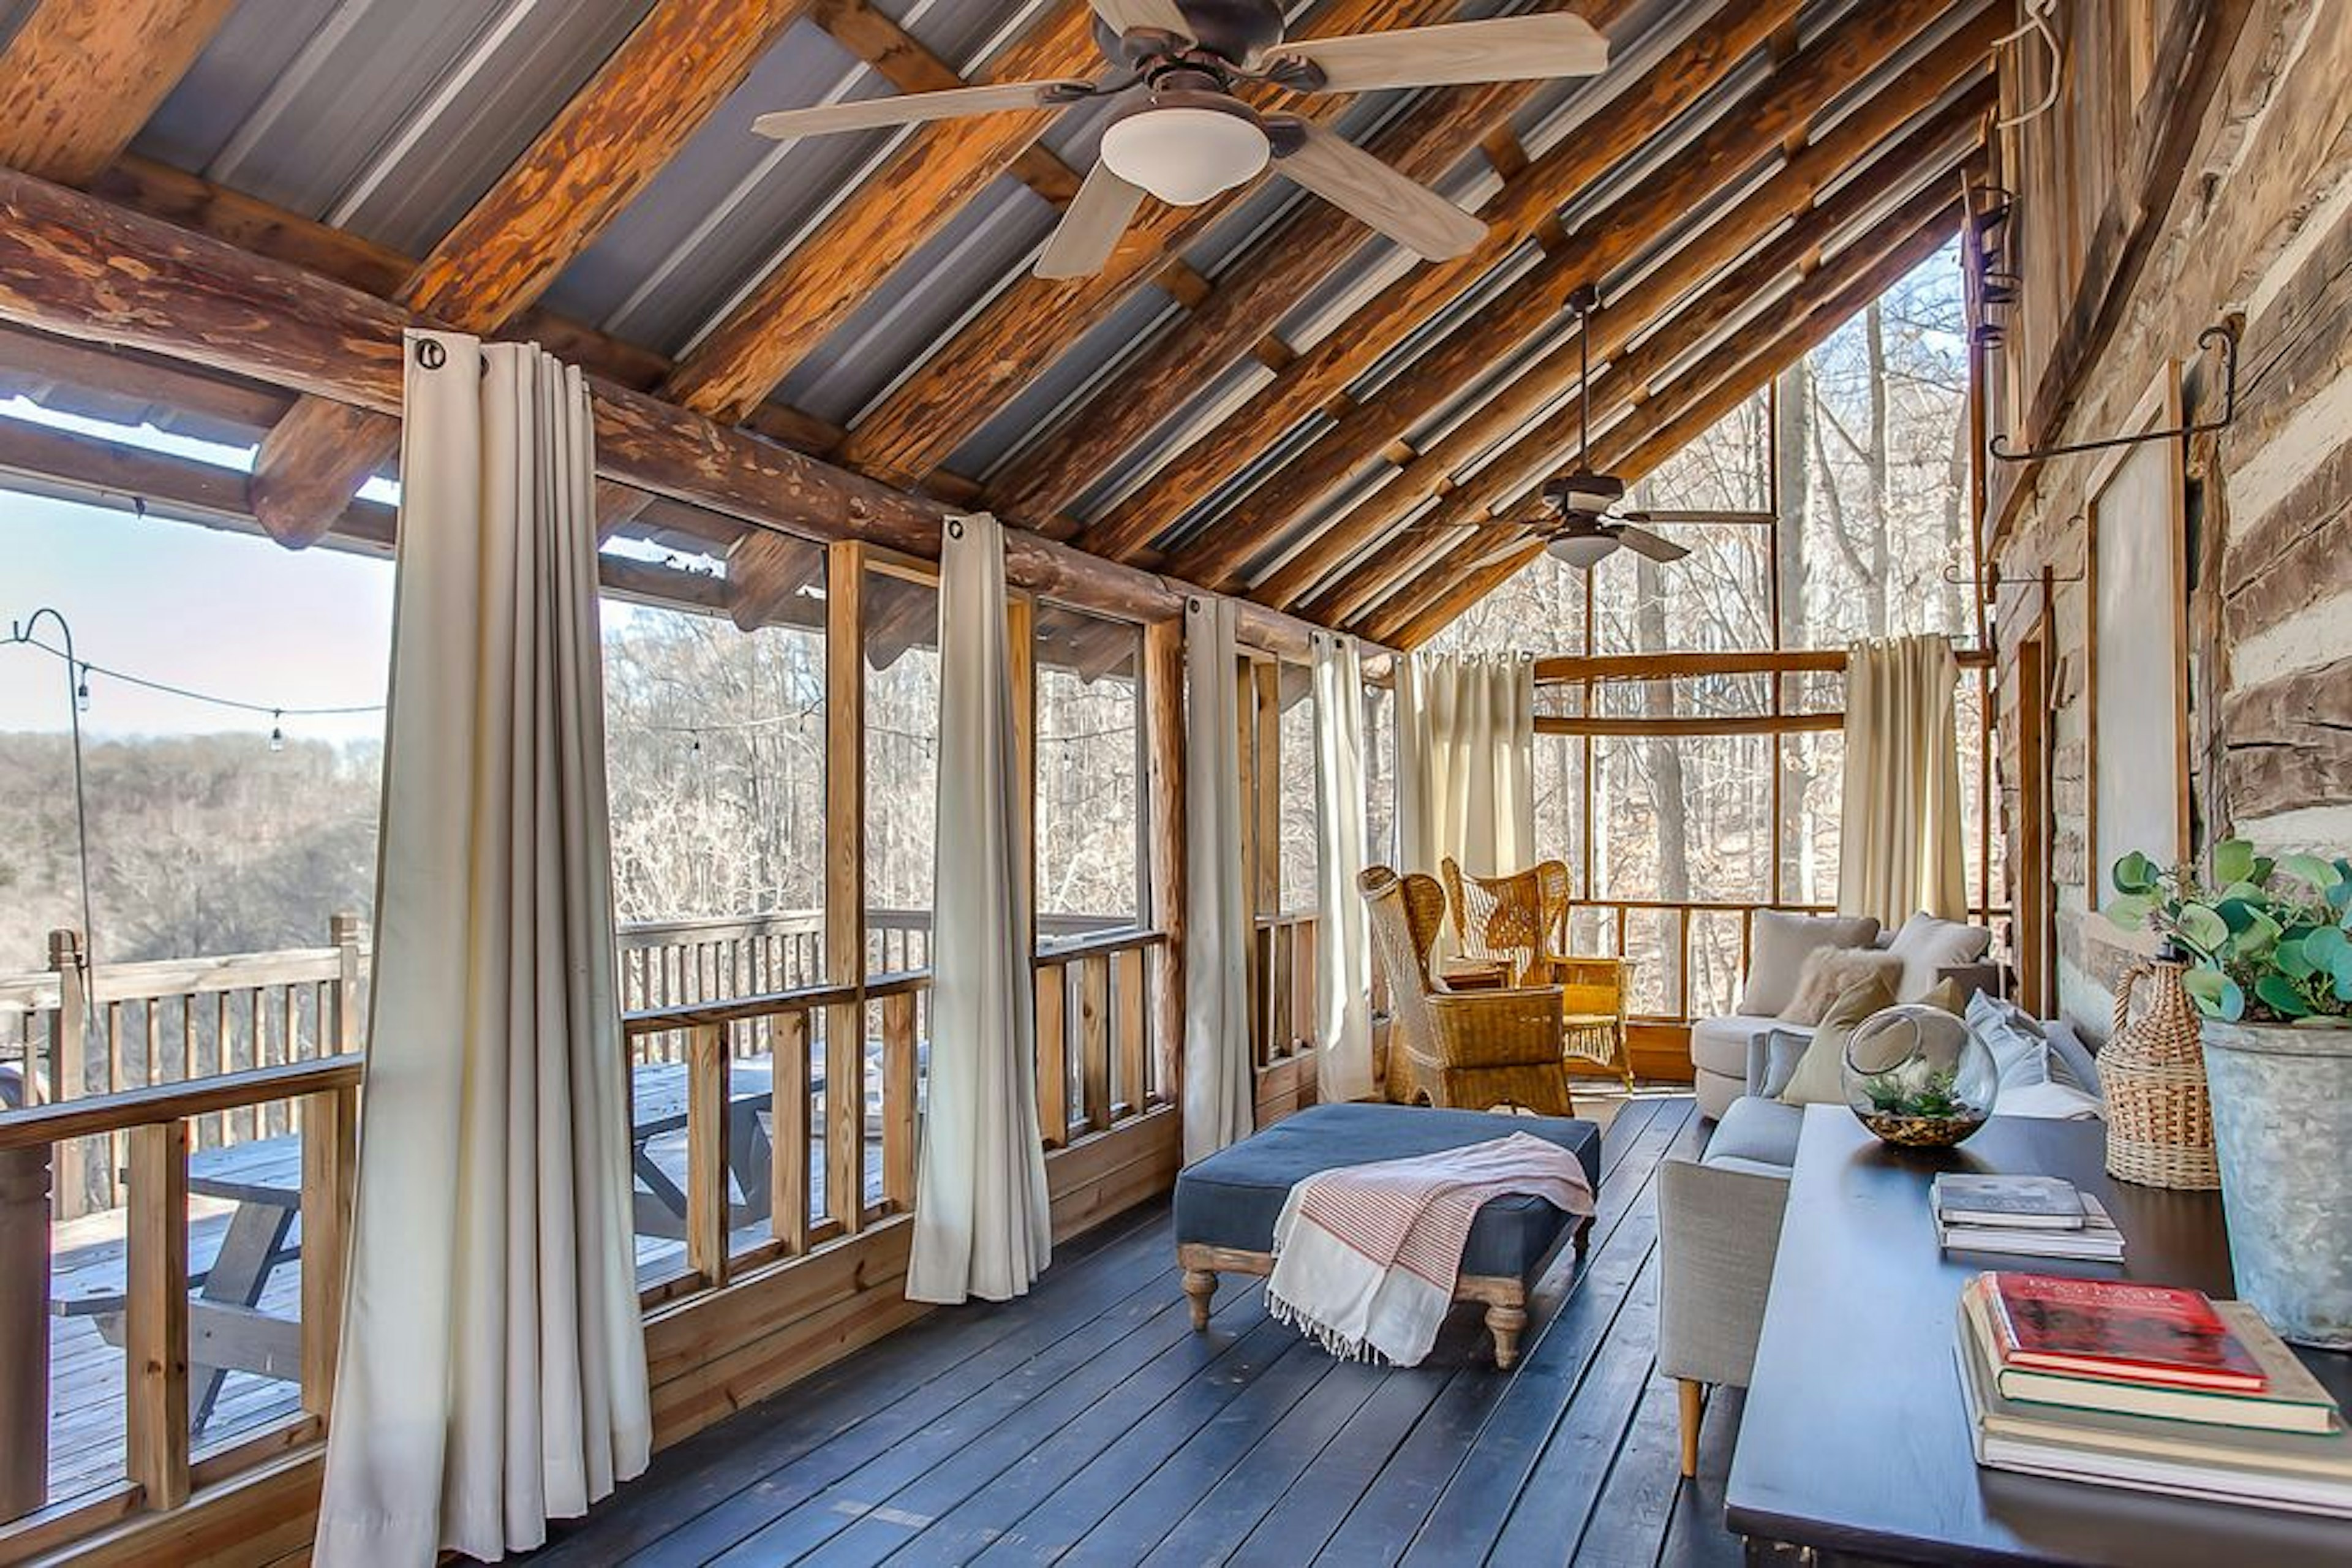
(1521, 921)
(1468, 1050)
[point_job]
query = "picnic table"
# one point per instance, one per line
(230, 1266)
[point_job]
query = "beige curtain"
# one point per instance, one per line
(1466, 763)
(1899, 843)
(493, 1370)
(983, 1222)
(1343, 950)
(1219, 1087)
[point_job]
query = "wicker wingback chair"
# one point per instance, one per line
(1469, 1049)
(1520, 918)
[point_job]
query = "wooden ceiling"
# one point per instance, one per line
(842, 337)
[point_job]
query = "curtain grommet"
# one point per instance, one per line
(430, 354)
(955, 528)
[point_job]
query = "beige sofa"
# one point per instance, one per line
(1728, 1053)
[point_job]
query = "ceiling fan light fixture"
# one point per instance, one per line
(1186, 154)
(1582, 551)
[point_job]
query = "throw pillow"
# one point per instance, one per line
(1930, 946)
(1777, 950)
(1829, 972)
(1782, 1051)
(1816, 1080)
(2029, 1081)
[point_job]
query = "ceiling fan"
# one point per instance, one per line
(1581, 527)
(1180, 132)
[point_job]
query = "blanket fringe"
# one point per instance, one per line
(1346, 1347)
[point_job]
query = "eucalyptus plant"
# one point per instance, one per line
(2267, 941)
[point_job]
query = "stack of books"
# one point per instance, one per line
(2148, 1387)
(2024, 1216)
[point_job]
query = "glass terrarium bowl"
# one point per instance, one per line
(1918, 1076)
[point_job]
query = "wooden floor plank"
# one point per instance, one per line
(1558, 1496)
(1628, 1523)
(1477, 1501)
(1050, 1388)
(1115, 1276)
(731, 1455)
(1696, 1537)
(1090, 1424)
(1208, 1369)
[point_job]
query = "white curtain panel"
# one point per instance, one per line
(983, 1225)
(493, 1370)
(1343, 952)
(1899, 845)
(1466, 763)
(1219, 1090)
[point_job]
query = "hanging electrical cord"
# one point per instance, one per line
(2037, 22)
(77, 699)
(276, 710)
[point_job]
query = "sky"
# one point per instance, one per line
(226, 613)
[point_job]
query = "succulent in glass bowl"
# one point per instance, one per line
(1918, 1076)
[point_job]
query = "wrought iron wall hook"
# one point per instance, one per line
(2224, 337)
(1994, 582)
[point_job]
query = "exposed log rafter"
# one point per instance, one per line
(675, 67)
(1516, 212)
(1791, 97)
(1733, 372)
(81, 77)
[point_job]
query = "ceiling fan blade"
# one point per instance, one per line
(1670, 516)
(1128, 15)
(1090, 227)
(1642, 542)
(1503, 551)
(914, 108)
(1507, 49)
(1362, 186)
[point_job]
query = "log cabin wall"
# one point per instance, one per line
(2196, 169)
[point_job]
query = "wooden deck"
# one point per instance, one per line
(1089, 1424)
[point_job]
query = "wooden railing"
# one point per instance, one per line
(1282, 988)
(156, 1127)
(1097, 1061)
(1096, 1066)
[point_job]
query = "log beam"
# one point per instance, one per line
(78, 266)
(1639, 110)
(1730, 375)
(1788, 99)
(82, 77)
(1021, 333)
(607, 145)
(1791, 197)
(934, 172)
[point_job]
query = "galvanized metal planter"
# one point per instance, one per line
(2283, 1120)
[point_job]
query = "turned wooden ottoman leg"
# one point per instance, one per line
(1692, 1405)
(1505, 1324)
(1200, 1285)
(1583, 1242)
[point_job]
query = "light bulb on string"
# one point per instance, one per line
(277, 729)
(693, 747)
(81, 691)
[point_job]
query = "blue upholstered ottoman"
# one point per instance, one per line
(1226, 1205)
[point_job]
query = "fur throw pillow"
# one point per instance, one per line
(1829, 972)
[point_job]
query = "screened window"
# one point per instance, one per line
(1089, 774)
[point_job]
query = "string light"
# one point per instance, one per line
(87, 668)
(81, 691)
(277, 731)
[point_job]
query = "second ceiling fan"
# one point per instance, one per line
(1583, 526)
(1180, 132)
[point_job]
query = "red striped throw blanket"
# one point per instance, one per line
(1366, 1256)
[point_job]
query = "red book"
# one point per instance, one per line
(2119, 1331)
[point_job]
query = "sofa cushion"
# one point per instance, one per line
(1756, 1135)
(1829, 972)
(1233, 1197)
(1721, 1045)
(1929, 946)
(1777, 950)
(1817, 1081)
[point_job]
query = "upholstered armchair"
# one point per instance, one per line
(1469, 1049)
(1520, 919)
